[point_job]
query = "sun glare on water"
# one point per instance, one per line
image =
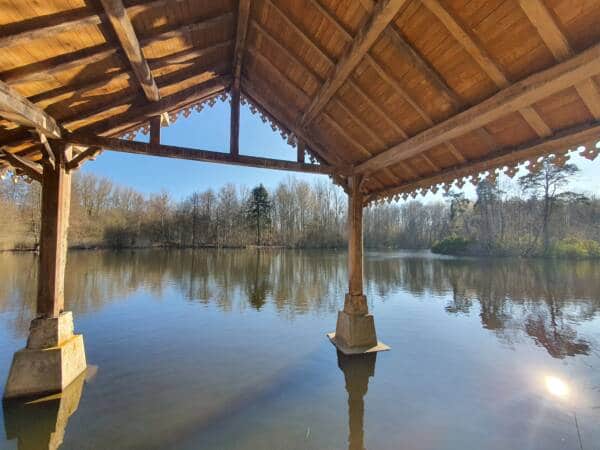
(557, 387)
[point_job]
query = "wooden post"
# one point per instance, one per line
(56, 197)
(301, 151)
(155, 130)
(355, 329)
(234, 144)
(355, 300)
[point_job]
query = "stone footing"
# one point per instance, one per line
(355, 334)
(53, 358)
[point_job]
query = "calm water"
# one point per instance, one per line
(227, 350)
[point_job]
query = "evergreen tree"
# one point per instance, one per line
(258, 211)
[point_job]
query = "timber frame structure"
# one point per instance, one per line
(389, 98)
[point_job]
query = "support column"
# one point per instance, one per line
(54, 356)
(355, 330)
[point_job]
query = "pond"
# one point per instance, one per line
(227, 350)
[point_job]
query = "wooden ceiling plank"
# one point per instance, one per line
(51, 25)
(387, 77)
(467, 39)
(238, 58)
(117, 15)
(318, 79)
(16, 108)
(423, 67)
(382, 16)
(544, 22)
(517, 96)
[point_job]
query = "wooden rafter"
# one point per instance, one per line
(283, 114)
(558, 44)
(41, 70)
(238, 58)
(515, 97)
(507, 156)
(388, 78)
(471, 44)
(88, 154)
(383, 14)
(49, 26)
(29, 168)
(117, 15)
(171, 151)
(16, 108)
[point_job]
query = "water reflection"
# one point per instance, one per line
(40, 424)
(542, 300)
(357, 371)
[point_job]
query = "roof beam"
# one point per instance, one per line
(471, 44)
(519, 95)
(115, 10)
(88, 154)
(387, 77)
(558, 44)
(382, 16)
(560, 141)
(16, 108)
(171, 151)
(31, 169)
(46, 26)
(238, 58)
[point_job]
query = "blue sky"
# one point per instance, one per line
(209, 130)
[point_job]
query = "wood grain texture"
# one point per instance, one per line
(16, 108)
(515, 97)
(117, 15)
(383, 14)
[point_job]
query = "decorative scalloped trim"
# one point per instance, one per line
(174, 115)
(534, 165)
(286, 134)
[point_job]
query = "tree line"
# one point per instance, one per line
(533, 215)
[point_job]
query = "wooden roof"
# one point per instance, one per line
(409, 93)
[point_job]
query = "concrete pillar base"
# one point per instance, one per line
(355, 334)
(53, 358)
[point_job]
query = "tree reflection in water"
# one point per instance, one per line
(534, 298)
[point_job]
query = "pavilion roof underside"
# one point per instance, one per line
(409, 93)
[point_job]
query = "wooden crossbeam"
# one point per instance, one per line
(383, 14)
(88, 154)
(523, 93)
(558, 44)
(507, 156)
(171, 151)
(471, 44)
(117, 15)
(16, 108)
(238, 57)
(31, 169)
(47, 26)
(387, 77)
(41, 70)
